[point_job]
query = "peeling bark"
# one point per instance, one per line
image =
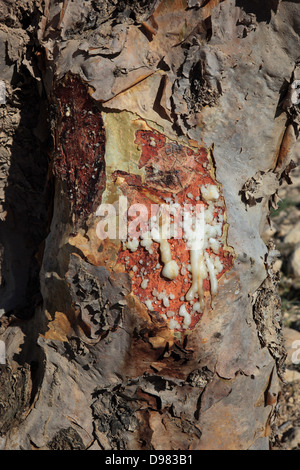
(161, 102)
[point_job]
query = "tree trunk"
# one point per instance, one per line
(150, 343)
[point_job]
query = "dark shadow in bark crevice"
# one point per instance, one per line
(24, 228)
(261, 9)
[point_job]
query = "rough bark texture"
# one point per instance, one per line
(151, 100)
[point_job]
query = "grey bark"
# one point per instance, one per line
(83, 369)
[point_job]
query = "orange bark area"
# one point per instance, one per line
(173, 172)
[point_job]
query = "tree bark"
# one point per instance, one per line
(163, 102)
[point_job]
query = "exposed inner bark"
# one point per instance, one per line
(151, 100)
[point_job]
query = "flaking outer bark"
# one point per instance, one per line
(112, 374)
